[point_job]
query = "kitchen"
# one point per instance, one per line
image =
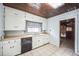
(15, 31)
(22, 32)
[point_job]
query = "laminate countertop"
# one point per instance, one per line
(16, 37)
(20, 36)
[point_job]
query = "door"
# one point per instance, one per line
(67, 29)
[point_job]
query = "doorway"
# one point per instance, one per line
(67, 33)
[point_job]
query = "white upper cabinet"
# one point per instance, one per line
(1, 19)
(14, 19)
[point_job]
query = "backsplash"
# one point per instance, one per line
(13, 33)
(1, 37)
(17, 33)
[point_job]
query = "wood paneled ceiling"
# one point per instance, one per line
(64, 8)
(42, 11)
(45, 9)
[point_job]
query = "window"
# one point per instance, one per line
(69, 28)
(33, 26)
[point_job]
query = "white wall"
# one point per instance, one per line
(1, 19)
(78, 31)
(54, 27)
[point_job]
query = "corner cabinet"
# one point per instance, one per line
(14, 19)
(12, 47)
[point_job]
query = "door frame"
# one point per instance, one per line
(75, 39)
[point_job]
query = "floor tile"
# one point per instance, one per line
(50, 50)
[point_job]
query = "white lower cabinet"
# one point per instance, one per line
(0, 48)
(11, 47)
(17, 47)
(39, 40)
(34, 42)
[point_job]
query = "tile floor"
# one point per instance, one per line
(50, 50)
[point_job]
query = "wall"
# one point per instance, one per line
(1, 19)
(78, 31)
(54, 27)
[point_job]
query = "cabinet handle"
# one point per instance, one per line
(38, 40)
(15, 13)
(14, 41)
(8, 42)
(15, 26)
(12, 47)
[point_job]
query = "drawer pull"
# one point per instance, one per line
(8, 42)
(38, 40)
(15, 13)
(12, 47)
(14, 41)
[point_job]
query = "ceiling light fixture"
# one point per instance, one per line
(35, 5)
(55, 5)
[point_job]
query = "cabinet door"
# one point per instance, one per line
(45, 40)
(17, 46)
(40, 41)
(0, 48)
(14, 19)
(34, 43)
(1, 18)
(6, 48)
(11, 47)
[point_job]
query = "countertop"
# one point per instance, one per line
(16, 37)
(20, 36)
